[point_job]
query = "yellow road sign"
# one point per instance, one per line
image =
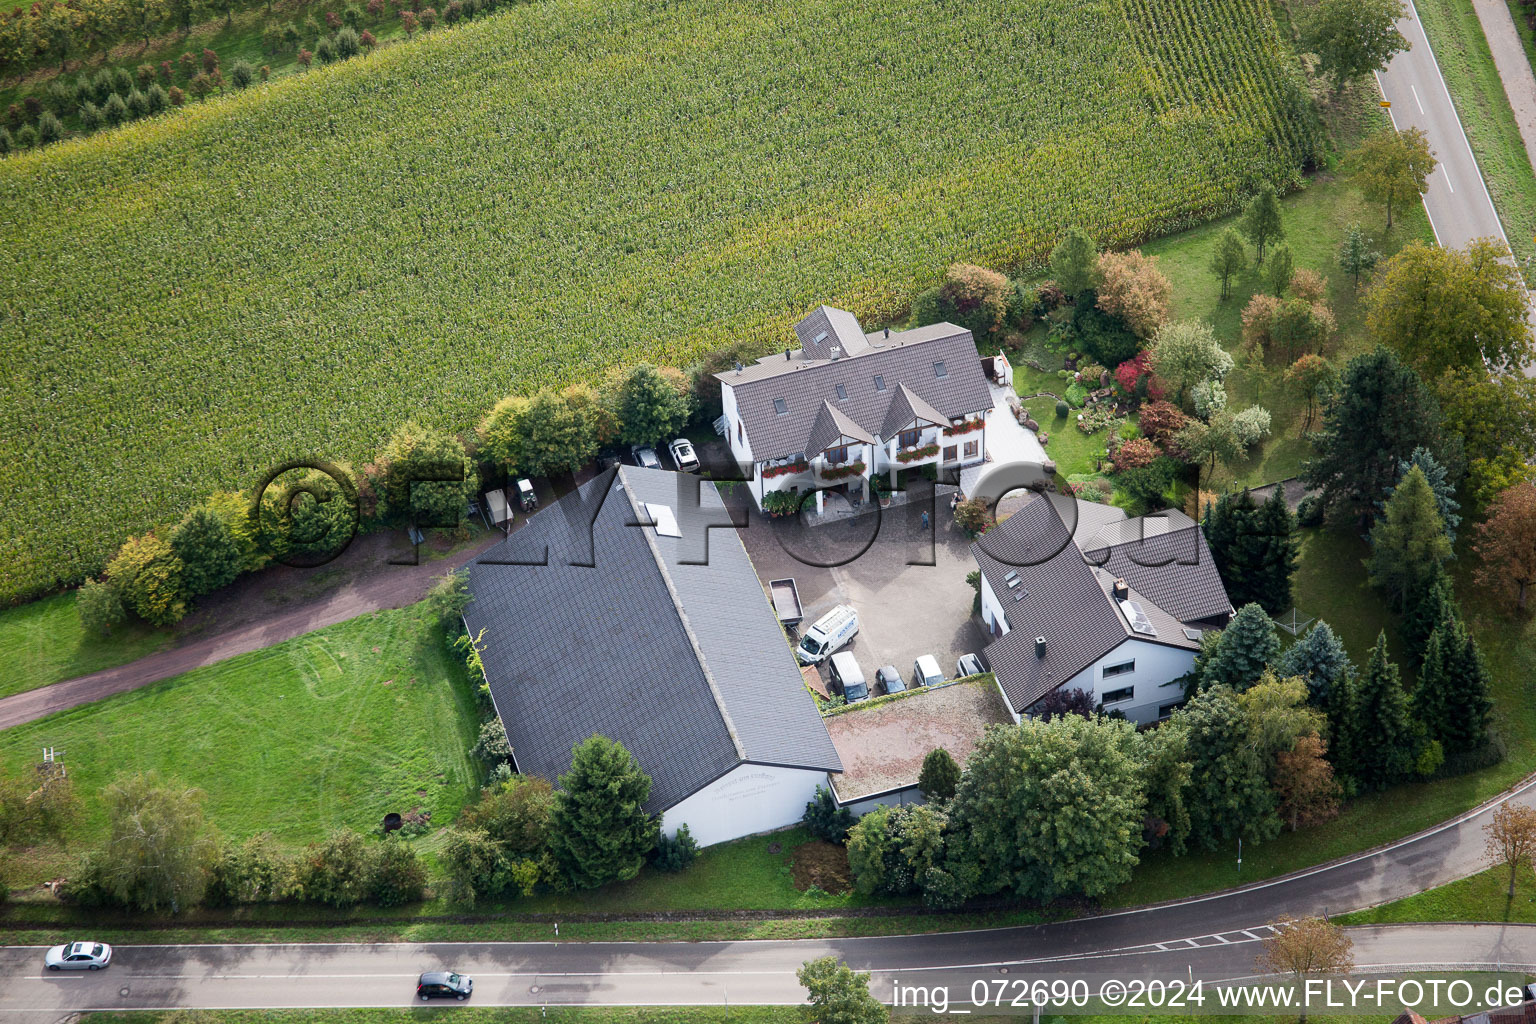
(1386, 103)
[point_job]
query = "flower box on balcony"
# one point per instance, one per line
(847, 469)
(798, 466)
(912, 455)
(963, 428)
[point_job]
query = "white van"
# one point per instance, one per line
(848, 678)
(925, 671)
(830, 633)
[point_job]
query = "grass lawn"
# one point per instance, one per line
(331, 729)
(1527, 34)
(1072, 450)
(1482, 897)
(1461, 50)
(42, 643)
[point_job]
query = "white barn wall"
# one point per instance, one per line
(750, 798)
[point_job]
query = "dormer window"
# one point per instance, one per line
(780, 407)
(879, 382)
(938, 369)
(842, 393)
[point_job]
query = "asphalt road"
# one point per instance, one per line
(1459, 206)
(708, 973)
(1214, 936)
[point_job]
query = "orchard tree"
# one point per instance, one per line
(1074, 263)
(1356, 256)
(1511, 839)
(1395, 166)
(1446, 308)
(1382, 412)
(1313, 376)
(836, 994)
(1261, 220)
(1281, 267)
(1408, 546)
(1229, 259)
(1053, 809)
(1353, 38)
(600, 831)
(1186, 353)
(1306, 949)
(1506, 544)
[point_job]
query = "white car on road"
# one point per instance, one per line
(78, 956)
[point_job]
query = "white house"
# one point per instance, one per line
(847, 405)
(1112, 606)
(600, 617)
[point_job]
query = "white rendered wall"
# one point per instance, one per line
(748, 799)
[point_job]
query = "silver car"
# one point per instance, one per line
(78, 956)
(645, 456)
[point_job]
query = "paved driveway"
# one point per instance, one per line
(904, 609)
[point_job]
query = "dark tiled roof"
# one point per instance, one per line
(826, 327)
(1063, 603)
(1068, 595)
(906, 407)
(1175, 571)
(906, 357)
(684, 665)
(829, 426)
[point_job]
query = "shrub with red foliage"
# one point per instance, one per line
(332, 20)
(367, 39)
(375, 8)
(1134, 454)
(1134, 380)
(1161, 420)
(210, 61)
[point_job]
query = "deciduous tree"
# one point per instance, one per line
(1495, 416)
(1510, 838)
(1305, 784)
(148, 576)
(1353, 38)
(1506, 544)
(1281, 266)
(1310, 948)
(210, 556)
(100, 606)
(1229, 792)
(1446, 308)
(649, 407)
(1356, 256)
(1228, 259)
(1261, 220)
(1074, 262)
(1313, 376)
(1185, 353)
(836, 994)
(1133, 289)
(1395, 166)
(157, 851)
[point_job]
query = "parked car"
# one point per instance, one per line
(968, 665)
(645, 456)
(848, 678)
(78, 956)
(444, 985)
(828, 634)
(683, 455)
(925, 671)
(888, 680)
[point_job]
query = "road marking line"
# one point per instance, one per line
(1447, 179)
(1416, 97)
(1251, 935)
(1223, 941)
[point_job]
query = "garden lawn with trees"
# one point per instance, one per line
(427, 293)
(44, 642)
(332, 729)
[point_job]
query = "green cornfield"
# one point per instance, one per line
(528, 199)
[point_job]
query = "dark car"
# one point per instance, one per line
(444, 985)
(890, 680)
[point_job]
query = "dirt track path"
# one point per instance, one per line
(388, 586)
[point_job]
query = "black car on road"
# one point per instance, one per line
(444, 985)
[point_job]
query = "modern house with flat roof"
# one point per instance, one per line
(618, 611)
(1110, 605)
(846, 405)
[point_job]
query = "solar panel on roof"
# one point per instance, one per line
(1137, 618)
(662, 518)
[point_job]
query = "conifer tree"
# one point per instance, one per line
(1378, 730)
(1320, 660)
(1242, 651)
(1452, 696)
(1409, 546)
(599, 829)
(1427, 610)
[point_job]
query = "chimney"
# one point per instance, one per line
(1039, 646)
(836, 351)
(1122, 592)
(738, 367)
(786, 355)
(887, 332)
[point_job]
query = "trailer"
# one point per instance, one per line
(786, 601)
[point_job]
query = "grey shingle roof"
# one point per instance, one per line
(906, 357)
(907, 406)
(1063, 603)
(1190, 592)
(1068, 598)
(829, 426)
(826, 327)
(684, 665)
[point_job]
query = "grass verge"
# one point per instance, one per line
(1482, 897)
(42, 642)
